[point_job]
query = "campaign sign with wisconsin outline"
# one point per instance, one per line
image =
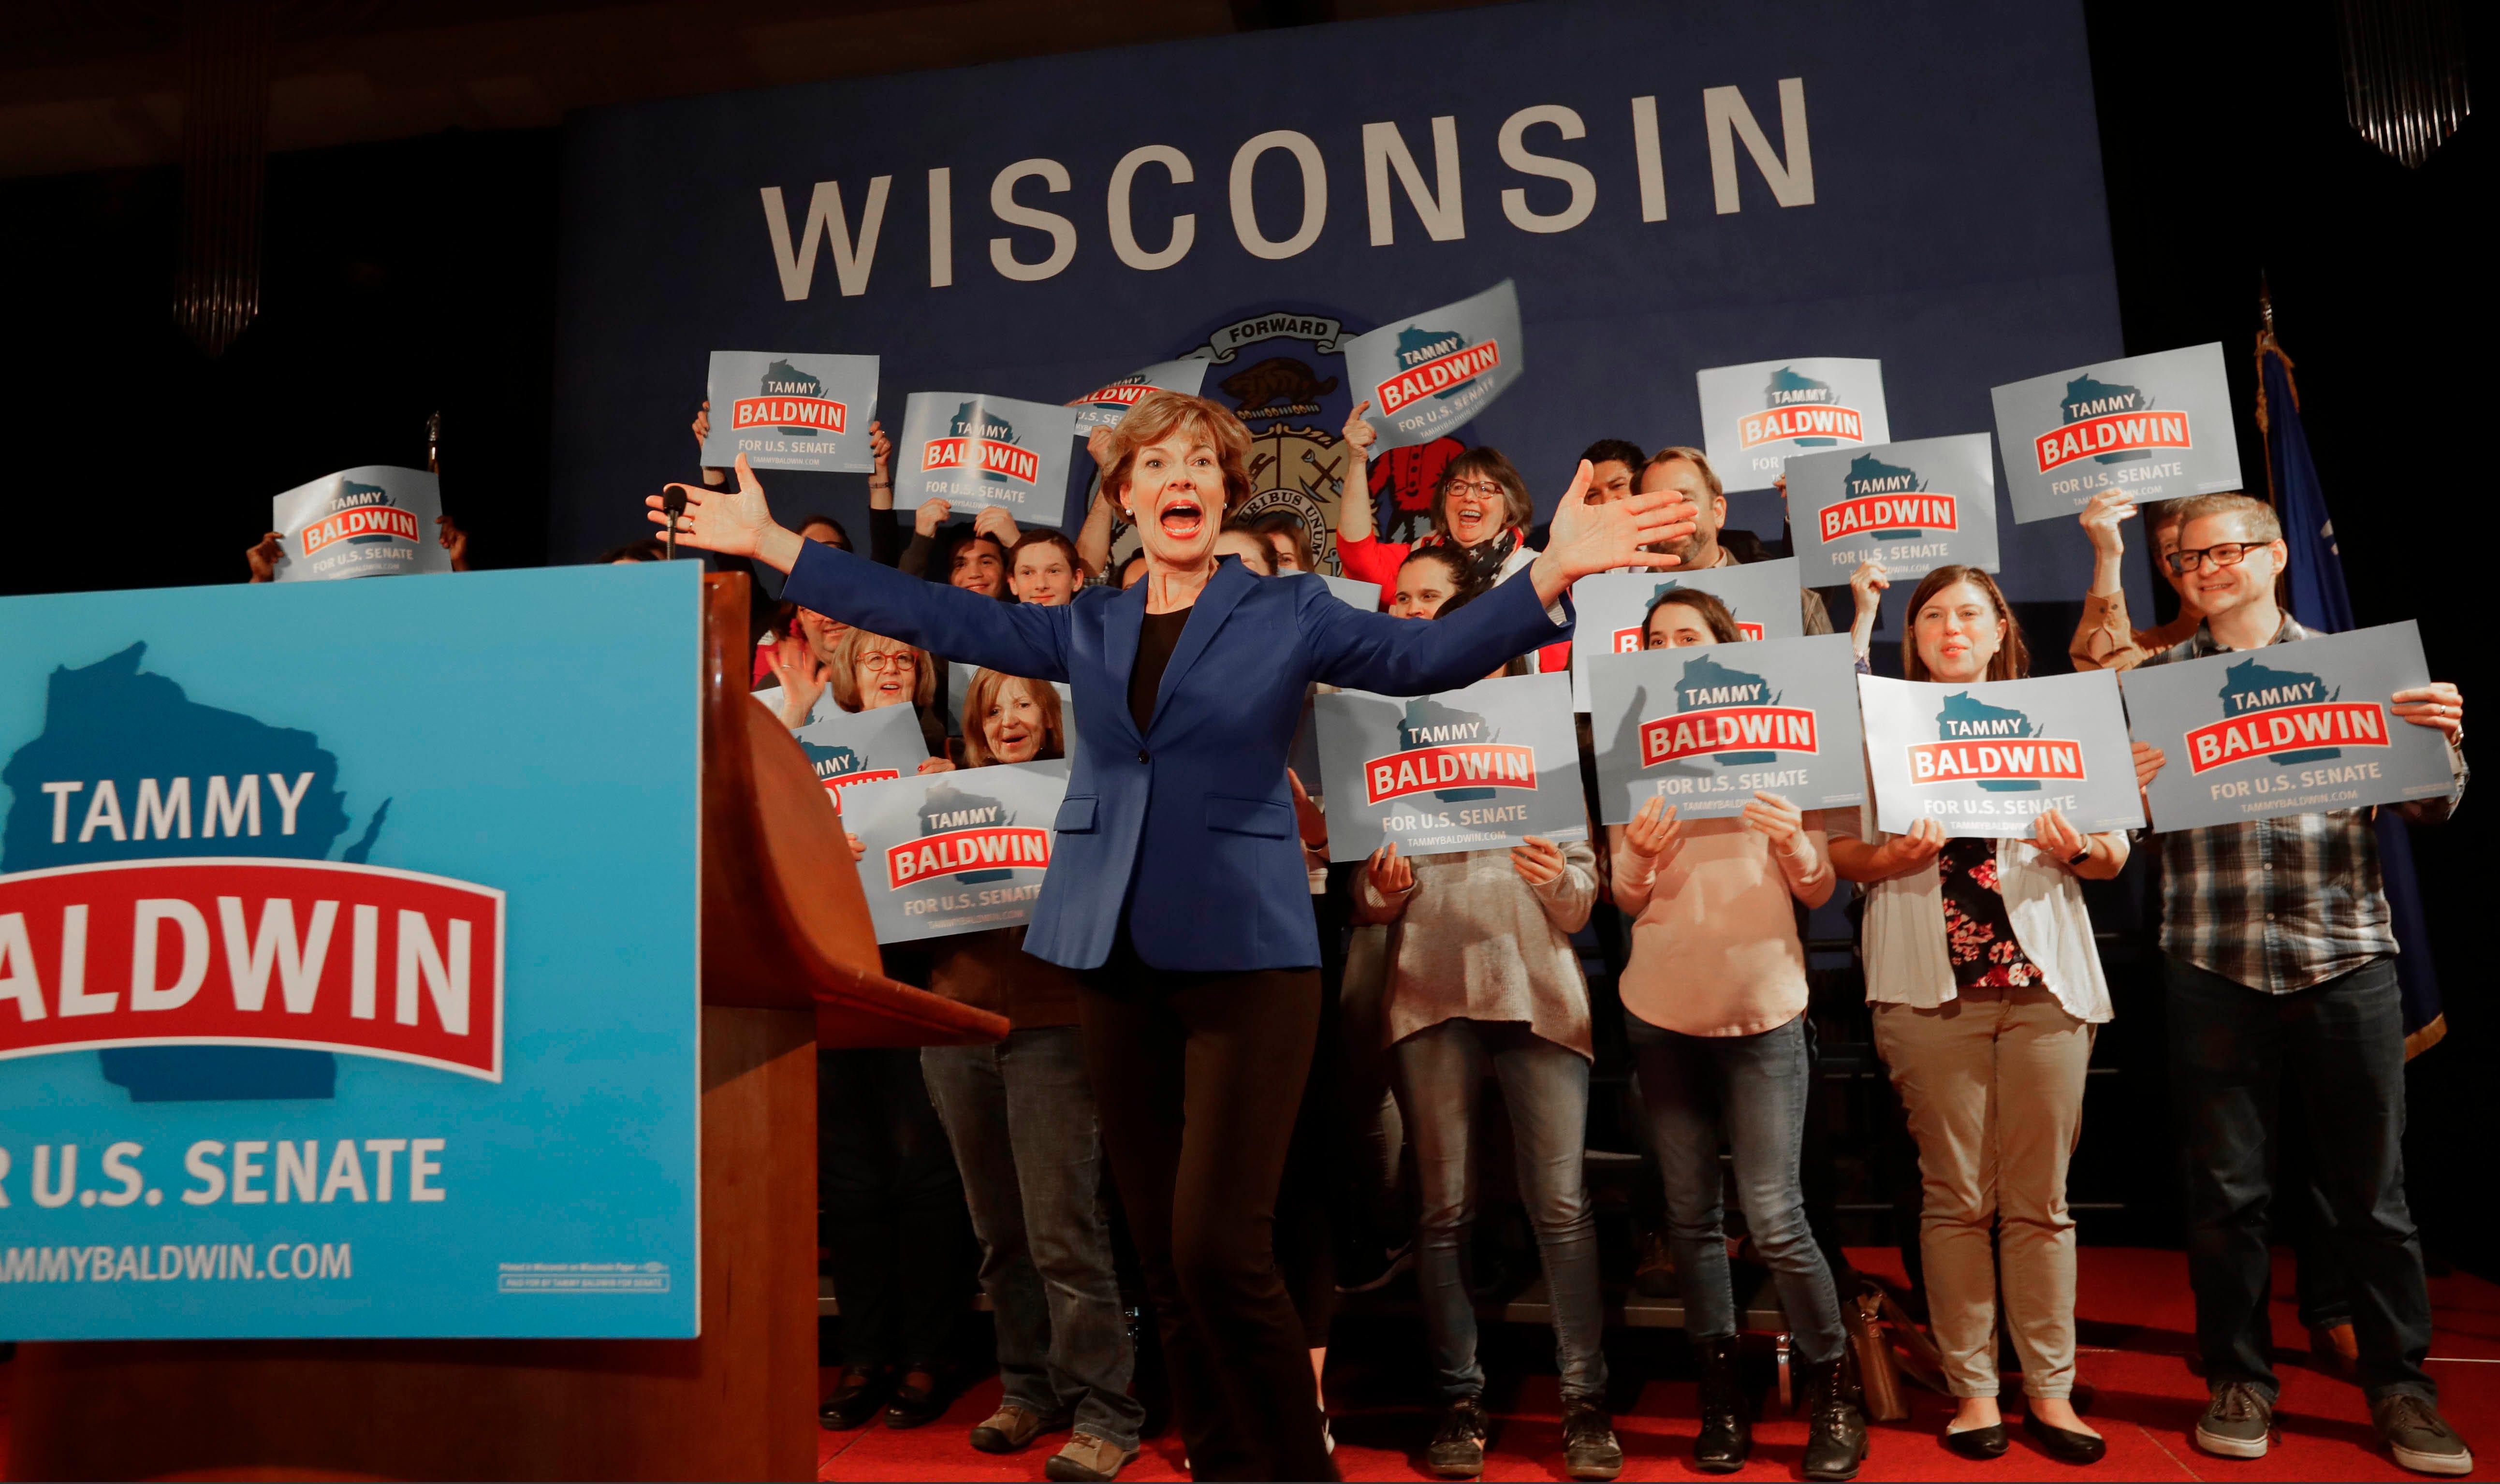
(370, 522)
(955, 852)
(1108, 404)
(1755, 416)
(2153, 427)
(1990, 757)
(1913, 506)
(2288, 729)
(1476, 769)
(1706, 727)
(848, 749)
(973, 452)
(352, 1009)
(1763, 596)
(791, 411)
(1427, 376)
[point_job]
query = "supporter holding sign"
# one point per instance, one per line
(2105, 638)
(1614, 609)
(856, 673)
(1477, 769)
(1020, 1113)
(1986, 986)
(1715, 992)
(975, 452)
(1432, 374)
(787, 410)
(1754, 416)
(1483, 978)
(2148, 427)
(1689, 474)
(2279, 960)
(1913, 507)
(369, 521)
(1705, 732)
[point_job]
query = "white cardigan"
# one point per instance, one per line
(1907, 962)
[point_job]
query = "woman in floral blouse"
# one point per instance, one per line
(1987, 988)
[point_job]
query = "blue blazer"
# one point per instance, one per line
(1195, 815)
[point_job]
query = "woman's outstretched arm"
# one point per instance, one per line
(1012, 637)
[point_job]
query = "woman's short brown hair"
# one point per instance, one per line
(983, 693)
(1161, 413)
(1516, 508)
(2012, 660)
(857, 642)
(1716, 615)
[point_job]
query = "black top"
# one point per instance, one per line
(1156, 643)
(1978, 932)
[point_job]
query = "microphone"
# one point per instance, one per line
(672, 504)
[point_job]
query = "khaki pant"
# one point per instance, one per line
(1993, 1082)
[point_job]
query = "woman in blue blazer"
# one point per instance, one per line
(1177, 878)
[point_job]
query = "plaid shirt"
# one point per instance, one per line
(2280, 903)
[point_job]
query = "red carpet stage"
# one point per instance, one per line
(2135, 1331)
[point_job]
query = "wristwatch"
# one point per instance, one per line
(2081, 856)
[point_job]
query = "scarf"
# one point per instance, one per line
(1480, 565)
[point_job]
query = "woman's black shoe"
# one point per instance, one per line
(1982, 1443)
(919, 1399)
(2062, 1445)
(1727, 1435)
(855, 1400)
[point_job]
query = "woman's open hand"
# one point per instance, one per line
(1600, 537)
(802, 677)
(734, 522)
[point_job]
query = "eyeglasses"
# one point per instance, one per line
(1484, 488)
(884, 660)
(2230, 553)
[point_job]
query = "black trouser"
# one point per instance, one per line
(894, 1211)
(1197, 1078)
(2338, 1048)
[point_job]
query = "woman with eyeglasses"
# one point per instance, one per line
(1481, 512)
(1714, 1005)
(1987, 991)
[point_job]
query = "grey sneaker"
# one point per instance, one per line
(1457, 1446)
(2421, 1439)
(1012, 1428)
(1088, 1460)
(2238, 1423)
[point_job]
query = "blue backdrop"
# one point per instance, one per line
(1926, 191)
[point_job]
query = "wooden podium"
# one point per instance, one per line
(787, 950)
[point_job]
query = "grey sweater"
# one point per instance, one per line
(1472, 939)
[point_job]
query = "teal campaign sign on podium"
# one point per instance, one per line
(348, 959)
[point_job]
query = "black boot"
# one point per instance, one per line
(1727, 1432)
(1836, 1441)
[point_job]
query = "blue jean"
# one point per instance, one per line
(1441, 1071)
(1754, 1088)
(1020, 1115)
(2340, 1047)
